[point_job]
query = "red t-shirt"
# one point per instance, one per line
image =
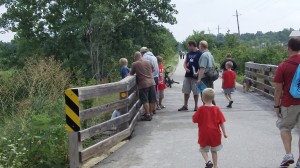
(209, 119)
(229, 79)
(161, 80)
(285, 74)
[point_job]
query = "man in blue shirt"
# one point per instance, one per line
(191, 67)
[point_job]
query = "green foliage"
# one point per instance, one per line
(90, 37)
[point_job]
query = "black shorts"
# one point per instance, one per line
(147, 95)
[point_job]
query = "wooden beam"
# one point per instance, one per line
(105, 126)
(259, 84)
(106, 144)
(265, 77)
(75, 146)
(263, 67)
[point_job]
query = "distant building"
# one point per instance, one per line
(295, 33)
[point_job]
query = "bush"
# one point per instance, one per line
(33, 126)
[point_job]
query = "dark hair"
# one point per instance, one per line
(192, 43)
(294, 43)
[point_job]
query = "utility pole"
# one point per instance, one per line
(208, 30)
(237, 19)
(219, 29)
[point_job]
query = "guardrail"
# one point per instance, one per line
(122, 125)
(261, 77)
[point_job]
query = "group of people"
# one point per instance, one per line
(210, 120)
(149, 71)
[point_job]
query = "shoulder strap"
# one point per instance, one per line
(291, 62)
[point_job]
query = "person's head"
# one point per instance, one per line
(160, 59)
(203, 45)
(137, 56)
(123, 62)
(143, 50)
(294, 46)
(192, 45)
(229, 55)
(229, 65)
(208, 95)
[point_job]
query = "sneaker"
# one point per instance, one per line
(209, 164)
(158, 108)
(297, 165)
(183, 108)
(162, 106)
(287, 160)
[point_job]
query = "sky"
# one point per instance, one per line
(200, 15)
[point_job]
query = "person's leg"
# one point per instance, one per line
(152, 108)
(196, 97)
(186, 99)
(205, 156)
(226, 95)
(146, 108)
(286, 137)
(186, 90)
(230, 98)
(215, 159)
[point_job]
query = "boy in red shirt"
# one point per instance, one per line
(209, 118)
(161, 83)
(228, 84)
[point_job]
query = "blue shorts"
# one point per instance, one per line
(228, 90)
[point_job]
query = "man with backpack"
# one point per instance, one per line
(286, 101)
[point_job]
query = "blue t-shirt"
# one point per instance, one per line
(192, 59)
(124, 71)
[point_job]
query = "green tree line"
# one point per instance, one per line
(264, 48)
(61, 44)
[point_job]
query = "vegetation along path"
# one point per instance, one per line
(170, 139)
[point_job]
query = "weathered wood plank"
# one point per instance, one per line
(96, 111)
(106, 144)
(259, 84)
(269, 96)
(265, 77)
(263, 67)
(91, 92)
(105, 126)
(75, 147)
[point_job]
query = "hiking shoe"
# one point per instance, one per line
(209, 164)
(230, 103)
(287, 160)
(183, 108)
(297, 165)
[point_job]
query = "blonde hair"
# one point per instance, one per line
(229, 64)
(229, 55)
(208, 94)
(204, 44)
(159, 59)
(123, 61)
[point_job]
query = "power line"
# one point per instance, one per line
(219, 29)
(237, 19)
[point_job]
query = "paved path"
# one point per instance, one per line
(170, 139)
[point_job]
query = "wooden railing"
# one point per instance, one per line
(122, 125)
(261, 76)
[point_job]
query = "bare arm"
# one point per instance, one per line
(184, 65)
(223, 130)
(277, 97)
(200, 73)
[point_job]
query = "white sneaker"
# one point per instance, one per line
(287, 160)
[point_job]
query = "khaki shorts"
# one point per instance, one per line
(209, 148)
(189, 86)
(161, 94)
(290, 118)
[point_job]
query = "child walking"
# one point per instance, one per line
(161, 83)
(228, 84)
(209, 118)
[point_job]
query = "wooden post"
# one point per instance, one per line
(74, 147)
(124, 95)
(267, 73)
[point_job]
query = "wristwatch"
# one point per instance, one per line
(276, 106)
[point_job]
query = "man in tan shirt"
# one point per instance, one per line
(145, 83)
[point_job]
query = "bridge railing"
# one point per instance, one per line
(261, 77)
(122, 126)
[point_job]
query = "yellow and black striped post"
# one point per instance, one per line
(72, 110)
